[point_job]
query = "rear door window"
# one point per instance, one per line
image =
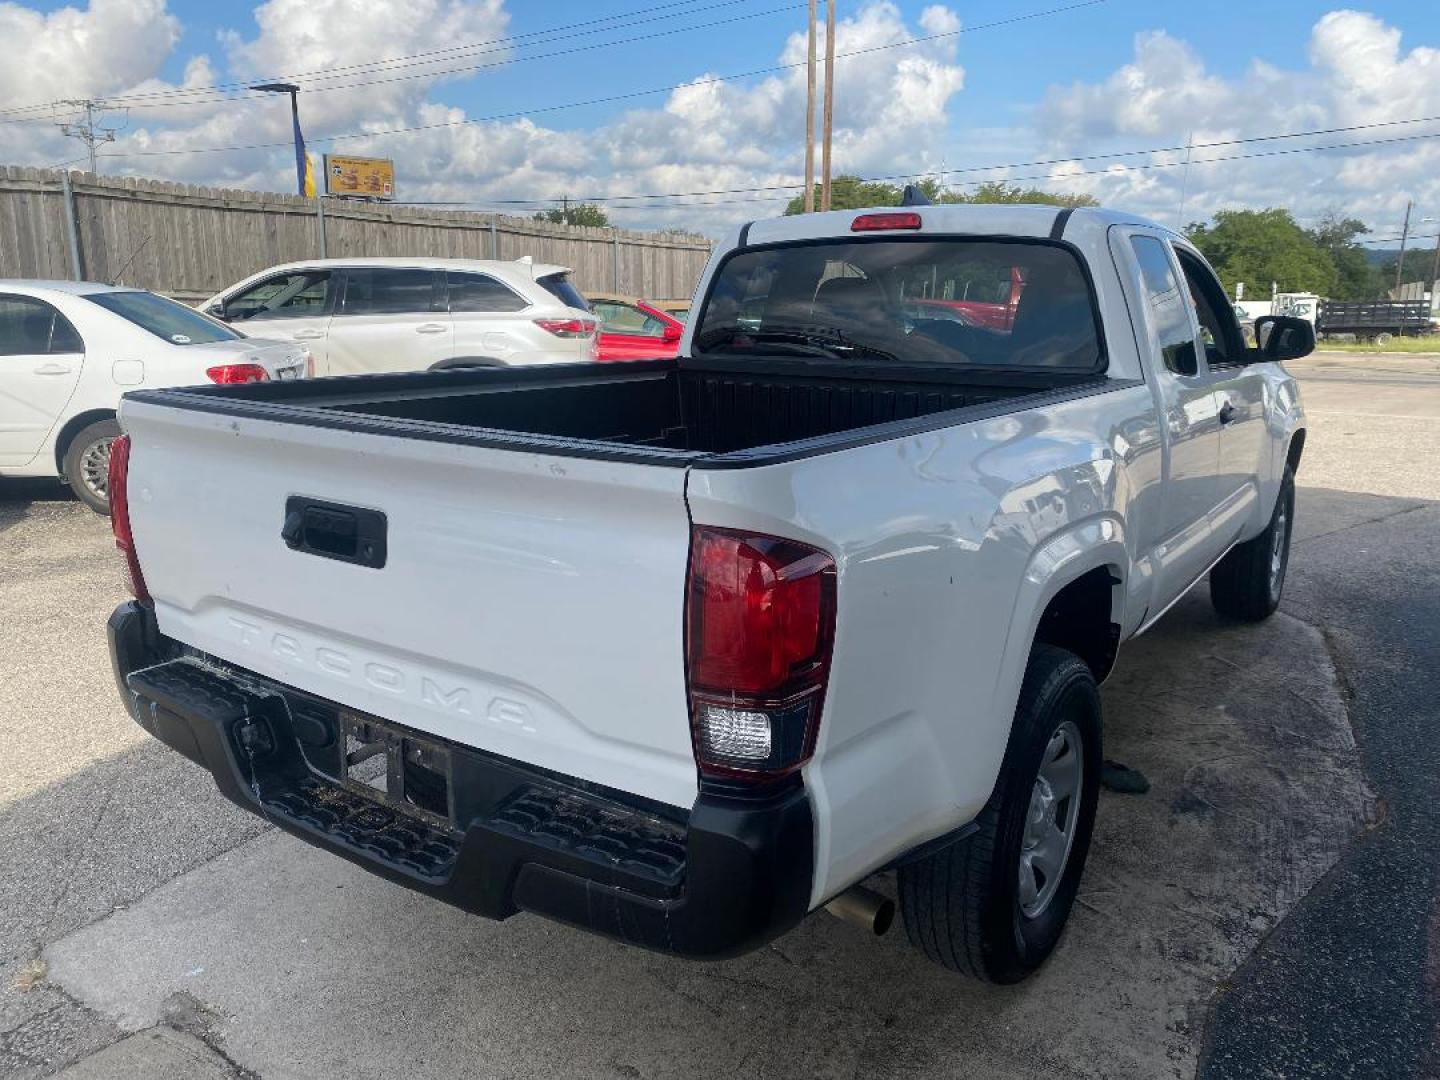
(480, 292)
(31, 327)
(947, 301)
(390, 291)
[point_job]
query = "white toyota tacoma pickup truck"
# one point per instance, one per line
(680, 650)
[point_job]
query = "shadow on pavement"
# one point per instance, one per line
(19, 497)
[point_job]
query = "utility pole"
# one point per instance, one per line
(87, 130)
(829, 103)
(1435, 267)
(810, 117)
(1404, 238)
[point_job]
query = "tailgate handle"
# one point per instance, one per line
(333, 531)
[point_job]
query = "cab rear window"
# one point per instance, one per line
(951, 302)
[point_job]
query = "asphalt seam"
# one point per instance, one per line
(1421, 505)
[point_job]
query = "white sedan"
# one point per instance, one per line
(70, 349)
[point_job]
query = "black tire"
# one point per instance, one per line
(88, 451)
(1248, 582)
(962, 904)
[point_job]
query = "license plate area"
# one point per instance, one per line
(409, 774)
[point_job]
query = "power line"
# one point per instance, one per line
(613, 98)
(647, 201)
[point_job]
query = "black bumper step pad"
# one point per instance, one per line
(618, 837)
(364, 825)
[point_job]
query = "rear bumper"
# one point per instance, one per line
(729, 876)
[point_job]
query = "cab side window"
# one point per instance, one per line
(1168, 309)
(1218, 327)
(31, 327)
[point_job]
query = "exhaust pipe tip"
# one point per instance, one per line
(865, 908)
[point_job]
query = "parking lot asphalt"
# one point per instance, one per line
(1267, 909)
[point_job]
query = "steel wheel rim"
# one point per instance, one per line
(1051, 819)
(1277, 549)
(95, 468)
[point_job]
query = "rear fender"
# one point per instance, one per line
(1097, 543)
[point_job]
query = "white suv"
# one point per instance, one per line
(371, 315)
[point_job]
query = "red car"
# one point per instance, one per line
(987, 314)
(634, 330)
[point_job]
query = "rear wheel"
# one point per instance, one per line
(994, 904)
(1247, 583)
(87, 464)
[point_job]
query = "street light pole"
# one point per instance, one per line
(301, 166)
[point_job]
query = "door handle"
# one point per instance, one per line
(1227, 412)
(308, 335)
(53, 369)
(431, 328)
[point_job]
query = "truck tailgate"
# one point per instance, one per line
(528, 605)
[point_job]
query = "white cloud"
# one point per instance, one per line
(70, 53)
(1358, 73)
(892, 112)
(707, 135)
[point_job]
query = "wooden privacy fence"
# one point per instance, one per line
(189, 242)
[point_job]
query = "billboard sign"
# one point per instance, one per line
(359, 177)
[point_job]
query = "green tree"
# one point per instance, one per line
(1419, 263)
(852, 193)
(1261, 246)
(997, 191)
(579, 214)
(1355, 276)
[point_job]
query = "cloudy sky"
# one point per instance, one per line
(699, 104)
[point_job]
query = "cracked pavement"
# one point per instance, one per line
(1267, 909)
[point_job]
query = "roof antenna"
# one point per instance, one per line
(913, 196)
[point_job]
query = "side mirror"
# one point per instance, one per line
(1281, 337)
(671, 334)
(217, 311)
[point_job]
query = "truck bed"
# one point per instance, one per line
(658, 412)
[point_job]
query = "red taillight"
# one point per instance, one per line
(237, 373)
(119, 491)
(568, 328)
(878, 222)
(759, 628)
